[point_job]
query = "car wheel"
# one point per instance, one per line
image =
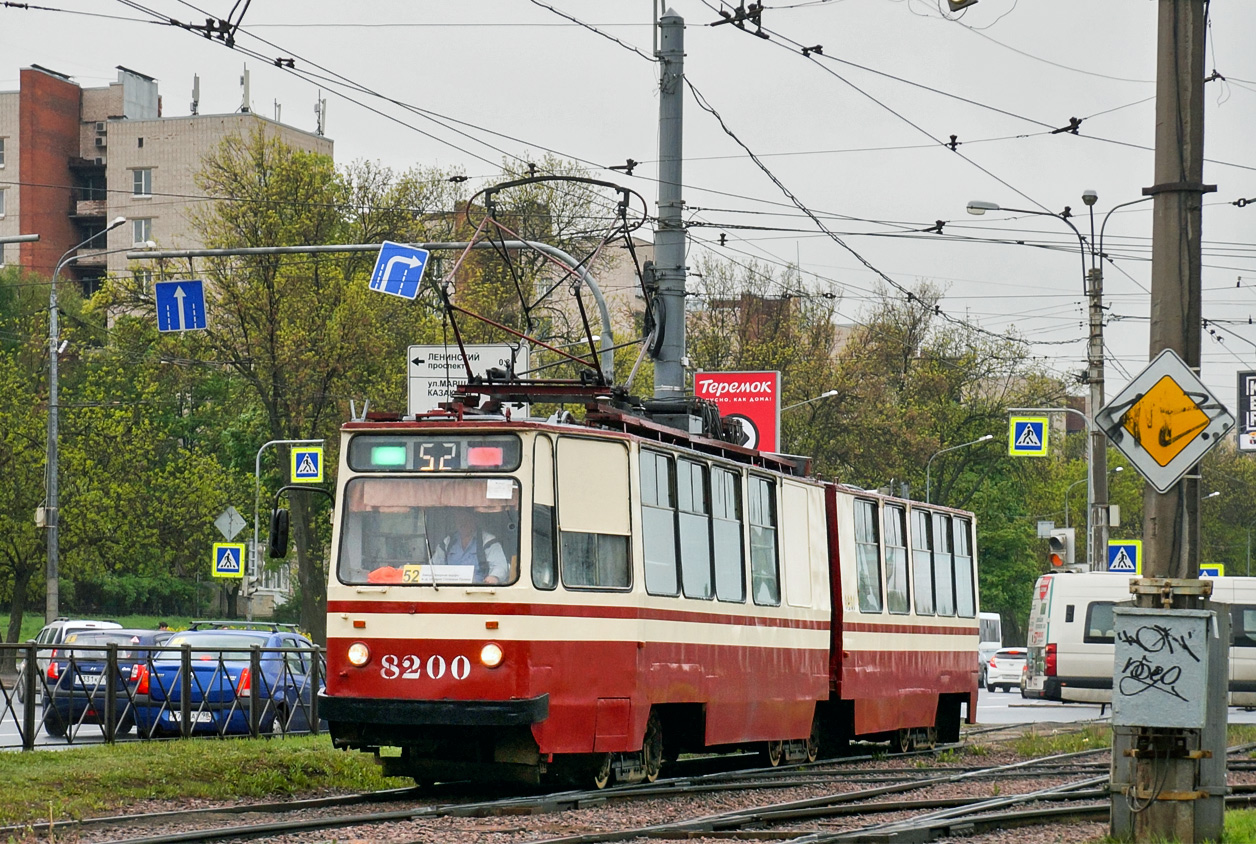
(53, 725)
(989, 687)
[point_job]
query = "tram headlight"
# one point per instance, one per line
(359, 654)
(491, 655)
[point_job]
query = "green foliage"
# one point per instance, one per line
(1073, 741)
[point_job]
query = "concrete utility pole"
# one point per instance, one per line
(1168, 780)
(669, 240)
(1097, 519)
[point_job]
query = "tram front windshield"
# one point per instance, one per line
(430, 531)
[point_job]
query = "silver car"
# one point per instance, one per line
(1004, 669)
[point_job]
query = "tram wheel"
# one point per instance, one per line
(813, 742)
(604, 772)
(652, 748)
(903, 741)
(930, 738)
(772, 753)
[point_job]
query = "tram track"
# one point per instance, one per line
(548, 817)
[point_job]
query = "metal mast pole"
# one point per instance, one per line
(1097, 520)
(1177, 775)
(669, 241)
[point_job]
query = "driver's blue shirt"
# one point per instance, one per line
(452, 552)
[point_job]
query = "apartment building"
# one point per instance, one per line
(72, 159)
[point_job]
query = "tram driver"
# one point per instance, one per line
(470, 545)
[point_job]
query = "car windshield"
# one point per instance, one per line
(430, 531)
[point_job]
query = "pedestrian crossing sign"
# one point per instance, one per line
(1125, 556)
(228, 559)
(1212, 569)
(1027, 436)
(307, 465)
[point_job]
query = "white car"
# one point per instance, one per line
(1004, 669)
(54, 633)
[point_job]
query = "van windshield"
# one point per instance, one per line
(430, 531)
(991, 628)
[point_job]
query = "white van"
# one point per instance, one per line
(990, 626)
(1072, 633)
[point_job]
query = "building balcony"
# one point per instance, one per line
(90, 208)
(92, 258)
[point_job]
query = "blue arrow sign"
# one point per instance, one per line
(399, 269)
(1125, 556)
(228, 559)
(180, 305)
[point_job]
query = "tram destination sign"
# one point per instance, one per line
(432, 372)
(1247, 411)
(1165, 420)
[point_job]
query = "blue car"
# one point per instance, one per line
(224, 684)
(76, 678)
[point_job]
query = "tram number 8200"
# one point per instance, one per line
(411, 667)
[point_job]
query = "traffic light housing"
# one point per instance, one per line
(1060, 547)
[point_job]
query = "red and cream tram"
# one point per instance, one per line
(525, 599)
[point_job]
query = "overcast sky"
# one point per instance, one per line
(837, 129)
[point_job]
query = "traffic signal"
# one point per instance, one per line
(1060, 547)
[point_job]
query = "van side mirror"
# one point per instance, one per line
(277, 541)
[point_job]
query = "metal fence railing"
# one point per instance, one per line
(107, 693)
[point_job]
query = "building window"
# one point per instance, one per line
(143, 279)
(140, 142)
(142, 229)
(142, 182)
(1, 152)
(1, 203)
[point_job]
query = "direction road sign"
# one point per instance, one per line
(180, 305)
(307, 465)
(433, 371)
(399, 269)
(1125, 556)
(1027, 436)
(228, 559)
(229, 523)
(1165, 420)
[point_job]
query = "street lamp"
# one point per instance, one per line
(825, 395)
(929, 463)
(1092, 283)
(52, 512)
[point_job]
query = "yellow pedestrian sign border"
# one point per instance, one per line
(229, 559)
(1027, 436)
(1125, 556)
(1165, 420)
(307, 465)
(1212, 569)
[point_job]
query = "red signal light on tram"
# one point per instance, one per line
(483, 456)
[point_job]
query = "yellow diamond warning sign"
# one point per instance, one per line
(1165, 420)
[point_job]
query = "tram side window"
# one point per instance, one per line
(922, 560)
(658, 524)
(1100, 623)
(593, 518)
(695, 530)
(965, 594)
(896, 559)
(765, 578)
(730, 568)
(943, 566)
(867, 556)
(544, 558)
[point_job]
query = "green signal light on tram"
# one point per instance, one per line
(388, 455)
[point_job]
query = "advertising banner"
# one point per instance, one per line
(754, 398)
(1247, 411)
